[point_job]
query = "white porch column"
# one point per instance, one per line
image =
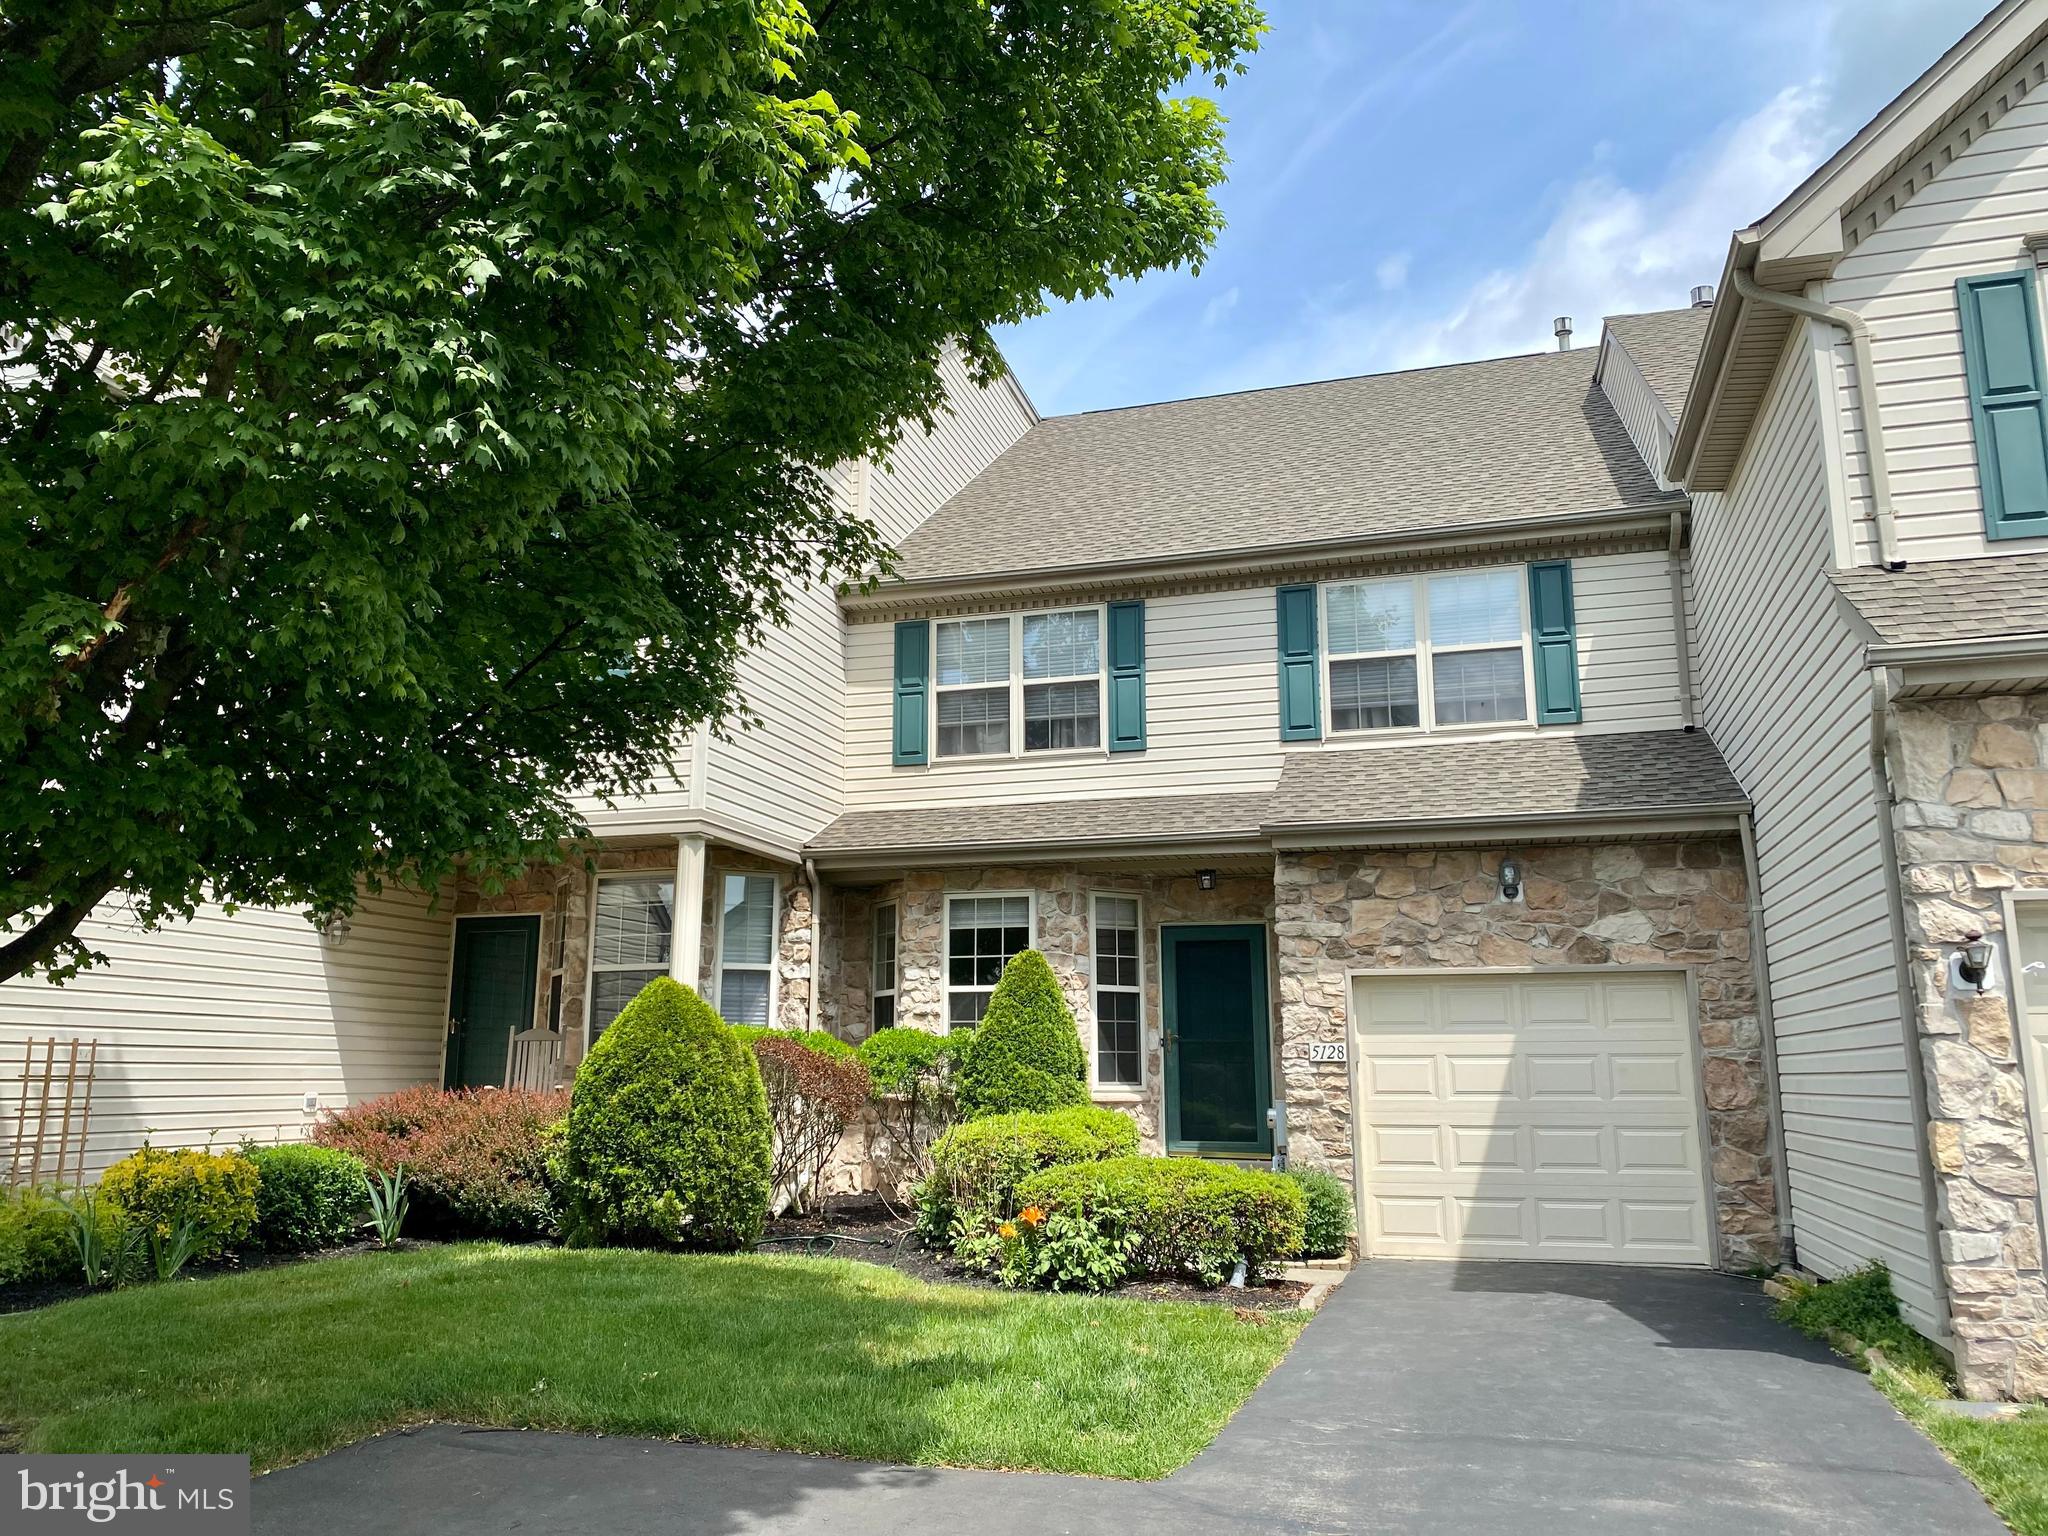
(684, 952)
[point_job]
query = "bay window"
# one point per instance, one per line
(631, 934)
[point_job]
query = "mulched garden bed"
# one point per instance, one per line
(864, 1230)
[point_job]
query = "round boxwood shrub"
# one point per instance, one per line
(668, 1138)
(977, 1166)
(1326, 1219)
(1027, 1053)
(165, 1189)
(307, 1197)
(1182, 1217)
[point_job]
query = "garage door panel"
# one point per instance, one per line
(1538, 1118)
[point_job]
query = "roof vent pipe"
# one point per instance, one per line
(1703, 296)
(1561, 327)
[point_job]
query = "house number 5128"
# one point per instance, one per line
(1326, 1050)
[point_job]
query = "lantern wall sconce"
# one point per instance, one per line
(335, 929)
(1510, 880)
(1205, 879)
(1972, 964)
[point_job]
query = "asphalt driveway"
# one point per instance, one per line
(1499, 1398)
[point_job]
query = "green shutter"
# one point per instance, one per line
(2008, 400)
(913, 679)
(1127, 677)
(1301, 684)
(1555, 635)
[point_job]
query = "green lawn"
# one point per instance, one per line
(2006, 1458)
(801, 1354)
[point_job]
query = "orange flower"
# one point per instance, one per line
(1031, 1216)
(1007, 1229)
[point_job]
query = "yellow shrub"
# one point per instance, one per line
(163, 1189)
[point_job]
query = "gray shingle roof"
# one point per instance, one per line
(1362, 458)
(1951, 599)
(1561, 776)
(1548, 776)
(1150, 818)
(1666, 345)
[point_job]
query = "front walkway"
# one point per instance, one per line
(1451, 1398)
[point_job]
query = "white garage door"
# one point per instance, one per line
(1541, 1117)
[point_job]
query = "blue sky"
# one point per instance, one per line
(1416, 182)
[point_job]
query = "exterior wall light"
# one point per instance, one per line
(1510, 880)
(1205, 879)
(335, 929)
(1973, 962)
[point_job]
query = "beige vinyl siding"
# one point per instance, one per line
(780, 780)
(1649, 425)
(1628, 645)
(212, 1031)
(1212, 698)
(1784, 695)
(1212, 718)
(1970, 218)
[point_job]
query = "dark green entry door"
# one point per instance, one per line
(1218, 1077)
(492, 996)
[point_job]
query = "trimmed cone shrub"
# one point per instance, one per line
(1326, 1219)
(1177, 1216)
(1027, 1054)
(307, 1197)
(161, 1190)
(475, 1159)
(668, 1138)
(35, 1238)
(976, 1167)
(812, 1098)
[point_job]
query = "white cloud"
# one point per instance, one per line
(1214, 311)
(1609, 249)
(1392, 272)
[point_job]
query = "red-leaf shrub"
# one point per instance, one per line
(812, 1097)
(475, 1158)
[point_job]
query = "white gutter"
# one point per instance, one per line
(1866, 388)
(1907, 653)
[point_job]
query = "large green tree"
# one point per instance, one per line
(411, 407)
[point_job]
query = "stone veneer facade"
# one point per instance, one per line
(1064, 935)
(1971, 818)
(1664, 904)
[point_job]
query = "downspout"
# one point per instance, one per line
(817, 942)
(1767, 1025)
(1678, 625)
(1881, 685)
(1866, 388)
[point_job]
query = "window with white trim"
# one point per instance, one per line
(1119, 994)
(884, 967)
(745, 960)
(1424, 652)
(983, 934)
(630, 938)
(1005, 686)
(558, 952)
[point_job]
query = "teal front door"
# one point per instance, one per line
(1218, 1075)
(491, 998)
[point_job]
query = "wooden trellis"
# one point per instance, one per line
(53, 1113)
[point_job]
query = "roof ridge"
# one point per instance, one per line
(1342, 378)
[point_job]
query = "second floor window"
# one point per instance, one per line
(1417, 653)
(1031, 683)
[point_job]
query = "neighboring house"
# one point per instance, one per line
(1562, 790)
